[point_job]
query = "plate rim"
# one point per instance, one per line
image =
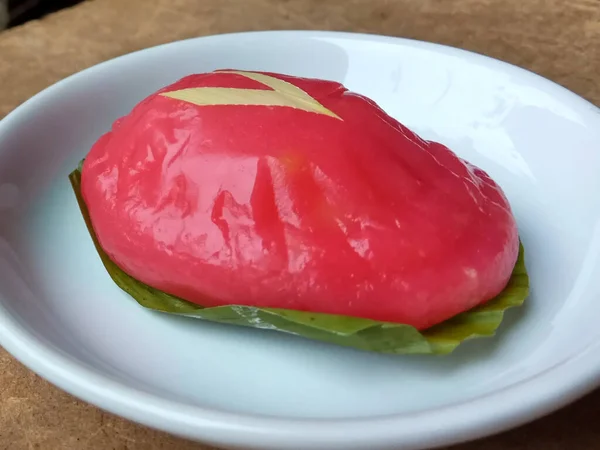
(487, 414)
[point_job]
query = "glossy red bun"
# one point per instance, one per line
(275, 191)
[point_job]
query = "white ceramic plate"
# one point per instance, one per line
(62, 316)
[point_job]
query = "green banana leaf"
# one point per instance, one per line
(363, 334)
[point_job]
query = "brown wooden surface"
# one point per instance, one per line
(558, 39)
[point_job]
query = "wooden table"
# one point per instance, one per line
(556, 38)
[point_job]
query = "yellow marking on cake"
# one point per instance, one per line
(282, 94)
